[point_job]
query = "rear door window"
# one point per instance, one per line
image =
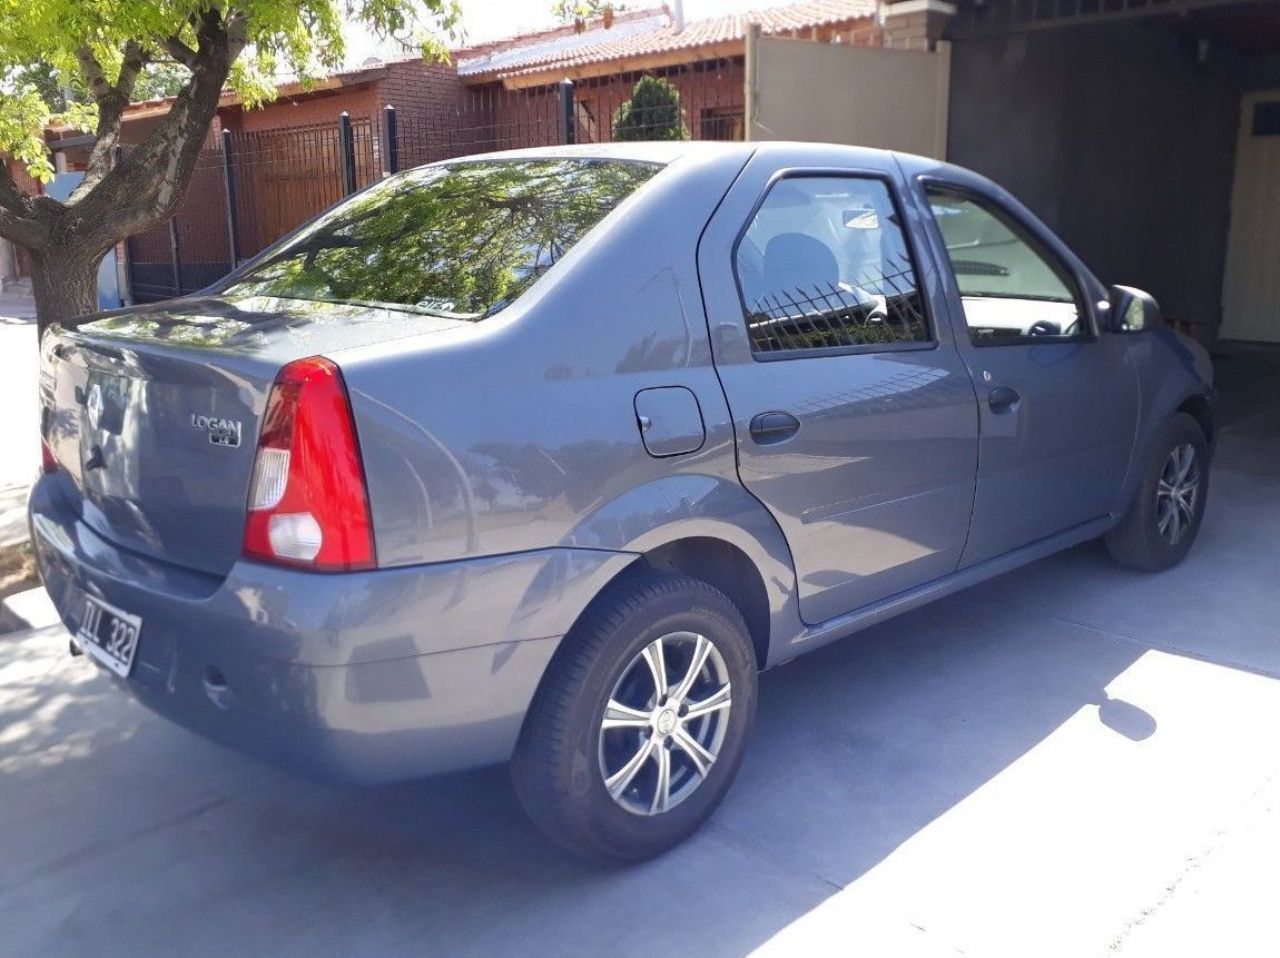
(824, 265)
(461, 241)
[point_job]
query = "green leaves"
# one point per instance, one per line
(571, 10)
(22, 111)
(47, 45)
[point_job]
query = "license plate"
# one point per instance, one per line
(109, 635)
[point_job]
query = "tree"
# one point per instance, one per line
(652, 113)
(106, 52)
(44, 78)
(578, 12)
(159, 80)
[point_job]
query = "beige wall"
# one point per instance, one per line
(1251, 288)
(866, 96)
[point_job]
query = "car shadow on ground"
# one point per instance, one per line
(857, 747)
(120, 834)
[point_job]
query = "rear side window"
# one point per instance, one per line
(461, 241)
(824, 265)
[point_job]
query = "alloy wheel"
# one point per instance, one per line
(664, 723)
(1178, 493)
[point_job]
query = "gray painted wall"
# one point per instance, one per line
(1261, 73)
(1118, 139)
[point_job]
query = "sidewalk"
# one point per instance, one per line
(19, 413)
(16, 308)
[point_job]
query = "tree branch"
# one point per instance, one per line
(111, 107)
(237, 27)
(18, 221)
(12, 198)
(135, 58)
(179, 51)
(93, 74)
(146, 187)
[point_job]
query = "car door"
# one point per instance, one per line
(1058, 400)
(855, 419)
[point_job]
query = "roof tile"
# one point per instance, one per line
(538, 57)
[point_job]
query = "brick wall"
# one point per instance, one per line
(437, 115)
(21, 177)
(423, 91)
(301, 111)
(920, 30)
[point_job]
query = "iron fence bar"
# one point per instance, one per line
(347, 153)
(175, 255)
(229, 189)
(390, 140)
(565, 92)
(124, 269)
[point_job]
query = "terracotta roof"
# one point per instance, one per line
(476, 50)
(355, 76)
(623, 21)
(634, 34)
(602, 46)
(558, 46)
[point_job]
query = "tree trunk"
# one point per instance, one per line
(64, 282)
(116, 199)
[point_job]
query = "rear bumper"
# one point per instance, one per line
(374, 676)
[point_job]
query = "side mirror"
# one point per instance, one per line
(1133, 311)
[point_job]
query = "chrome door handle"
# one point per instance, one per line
(1002, 398)
(770, 427)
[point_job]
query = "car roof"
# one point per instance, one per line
(783, 151)
(648, 151)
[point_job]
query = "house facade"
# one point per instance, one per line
(286, 157)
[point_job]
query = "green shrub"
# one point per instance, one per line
(652, 113)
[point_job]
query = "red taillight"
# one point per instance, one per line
(48, 461)
(308, 505)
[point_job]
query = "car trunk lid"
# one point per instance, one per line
(154, 414)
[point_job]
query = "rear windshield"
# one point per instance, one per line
(461, 241)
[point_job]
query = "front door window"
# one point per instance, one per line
(1011, 291)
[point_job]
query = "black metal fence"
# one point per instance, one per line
(248, 190)
(251, 188)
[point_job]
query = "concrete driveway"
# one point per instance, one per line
(1071, 760)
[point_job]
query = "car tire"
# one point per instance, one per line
(1164, 518)
(565, 754)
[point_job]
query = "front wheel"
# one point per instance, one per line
(1164, 518)
(639, 726)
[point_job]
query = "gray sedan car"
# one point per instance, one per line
(542, 456)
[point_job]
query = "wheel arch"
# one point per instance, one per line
(712, 529)
(729, 569)
(1198, 407)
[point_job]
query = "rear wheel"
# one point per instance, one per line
(1164, 518)
(640, 724)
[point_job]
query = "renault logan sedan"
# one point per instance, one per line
(542, 456)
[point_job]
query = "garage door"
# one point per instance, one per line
(1251, 287)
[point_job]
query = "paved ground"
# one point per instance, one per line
(19, 430)
(1071, 760)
